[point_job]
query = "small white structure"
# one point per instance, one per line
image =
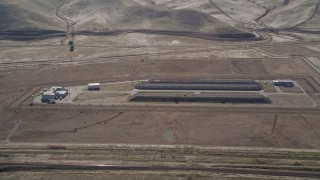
(93, 86)
(62, 93)
(56, 88)
(49, 95)
(283, 82)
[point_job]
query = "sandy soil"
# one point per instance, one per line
(156, 162)
(294, 89)
(101, 98)
(28, 66)
(291, 50)
(268, 87)
(315, 61)
(292, 101)
(283, 38)
(155, 126)
(87, 52)
(297, 11)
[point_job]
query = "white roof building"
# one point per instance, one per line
(48, 95)
(283, 81)
(56, 88)
(94, 84)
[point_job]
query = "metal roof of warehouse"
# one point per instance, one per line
(178, 86)
(204, 81)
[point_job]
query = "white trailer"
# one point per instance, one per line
(93, 86)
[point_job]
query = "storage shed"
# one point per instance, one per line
(94, 86)
(61, 93)
(56, 88)
(49, 95)
(283, 82)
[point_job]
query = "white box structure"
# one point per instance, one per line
(49, 95)
(93, 86)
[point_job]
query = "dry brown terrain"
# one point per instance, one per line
(289, 128)
(105, 135)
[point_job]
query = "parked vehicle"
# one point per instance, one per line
(51, 101)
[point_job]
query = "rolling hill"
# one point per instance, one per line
(108, 15)
(19, 15)
(297, 12)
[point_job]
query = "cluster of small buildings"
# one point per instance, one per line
(59, 92)
(54, 93)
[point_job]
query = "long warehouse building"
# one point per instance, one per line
(205, 98)
(204, 81)
(200, 85)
